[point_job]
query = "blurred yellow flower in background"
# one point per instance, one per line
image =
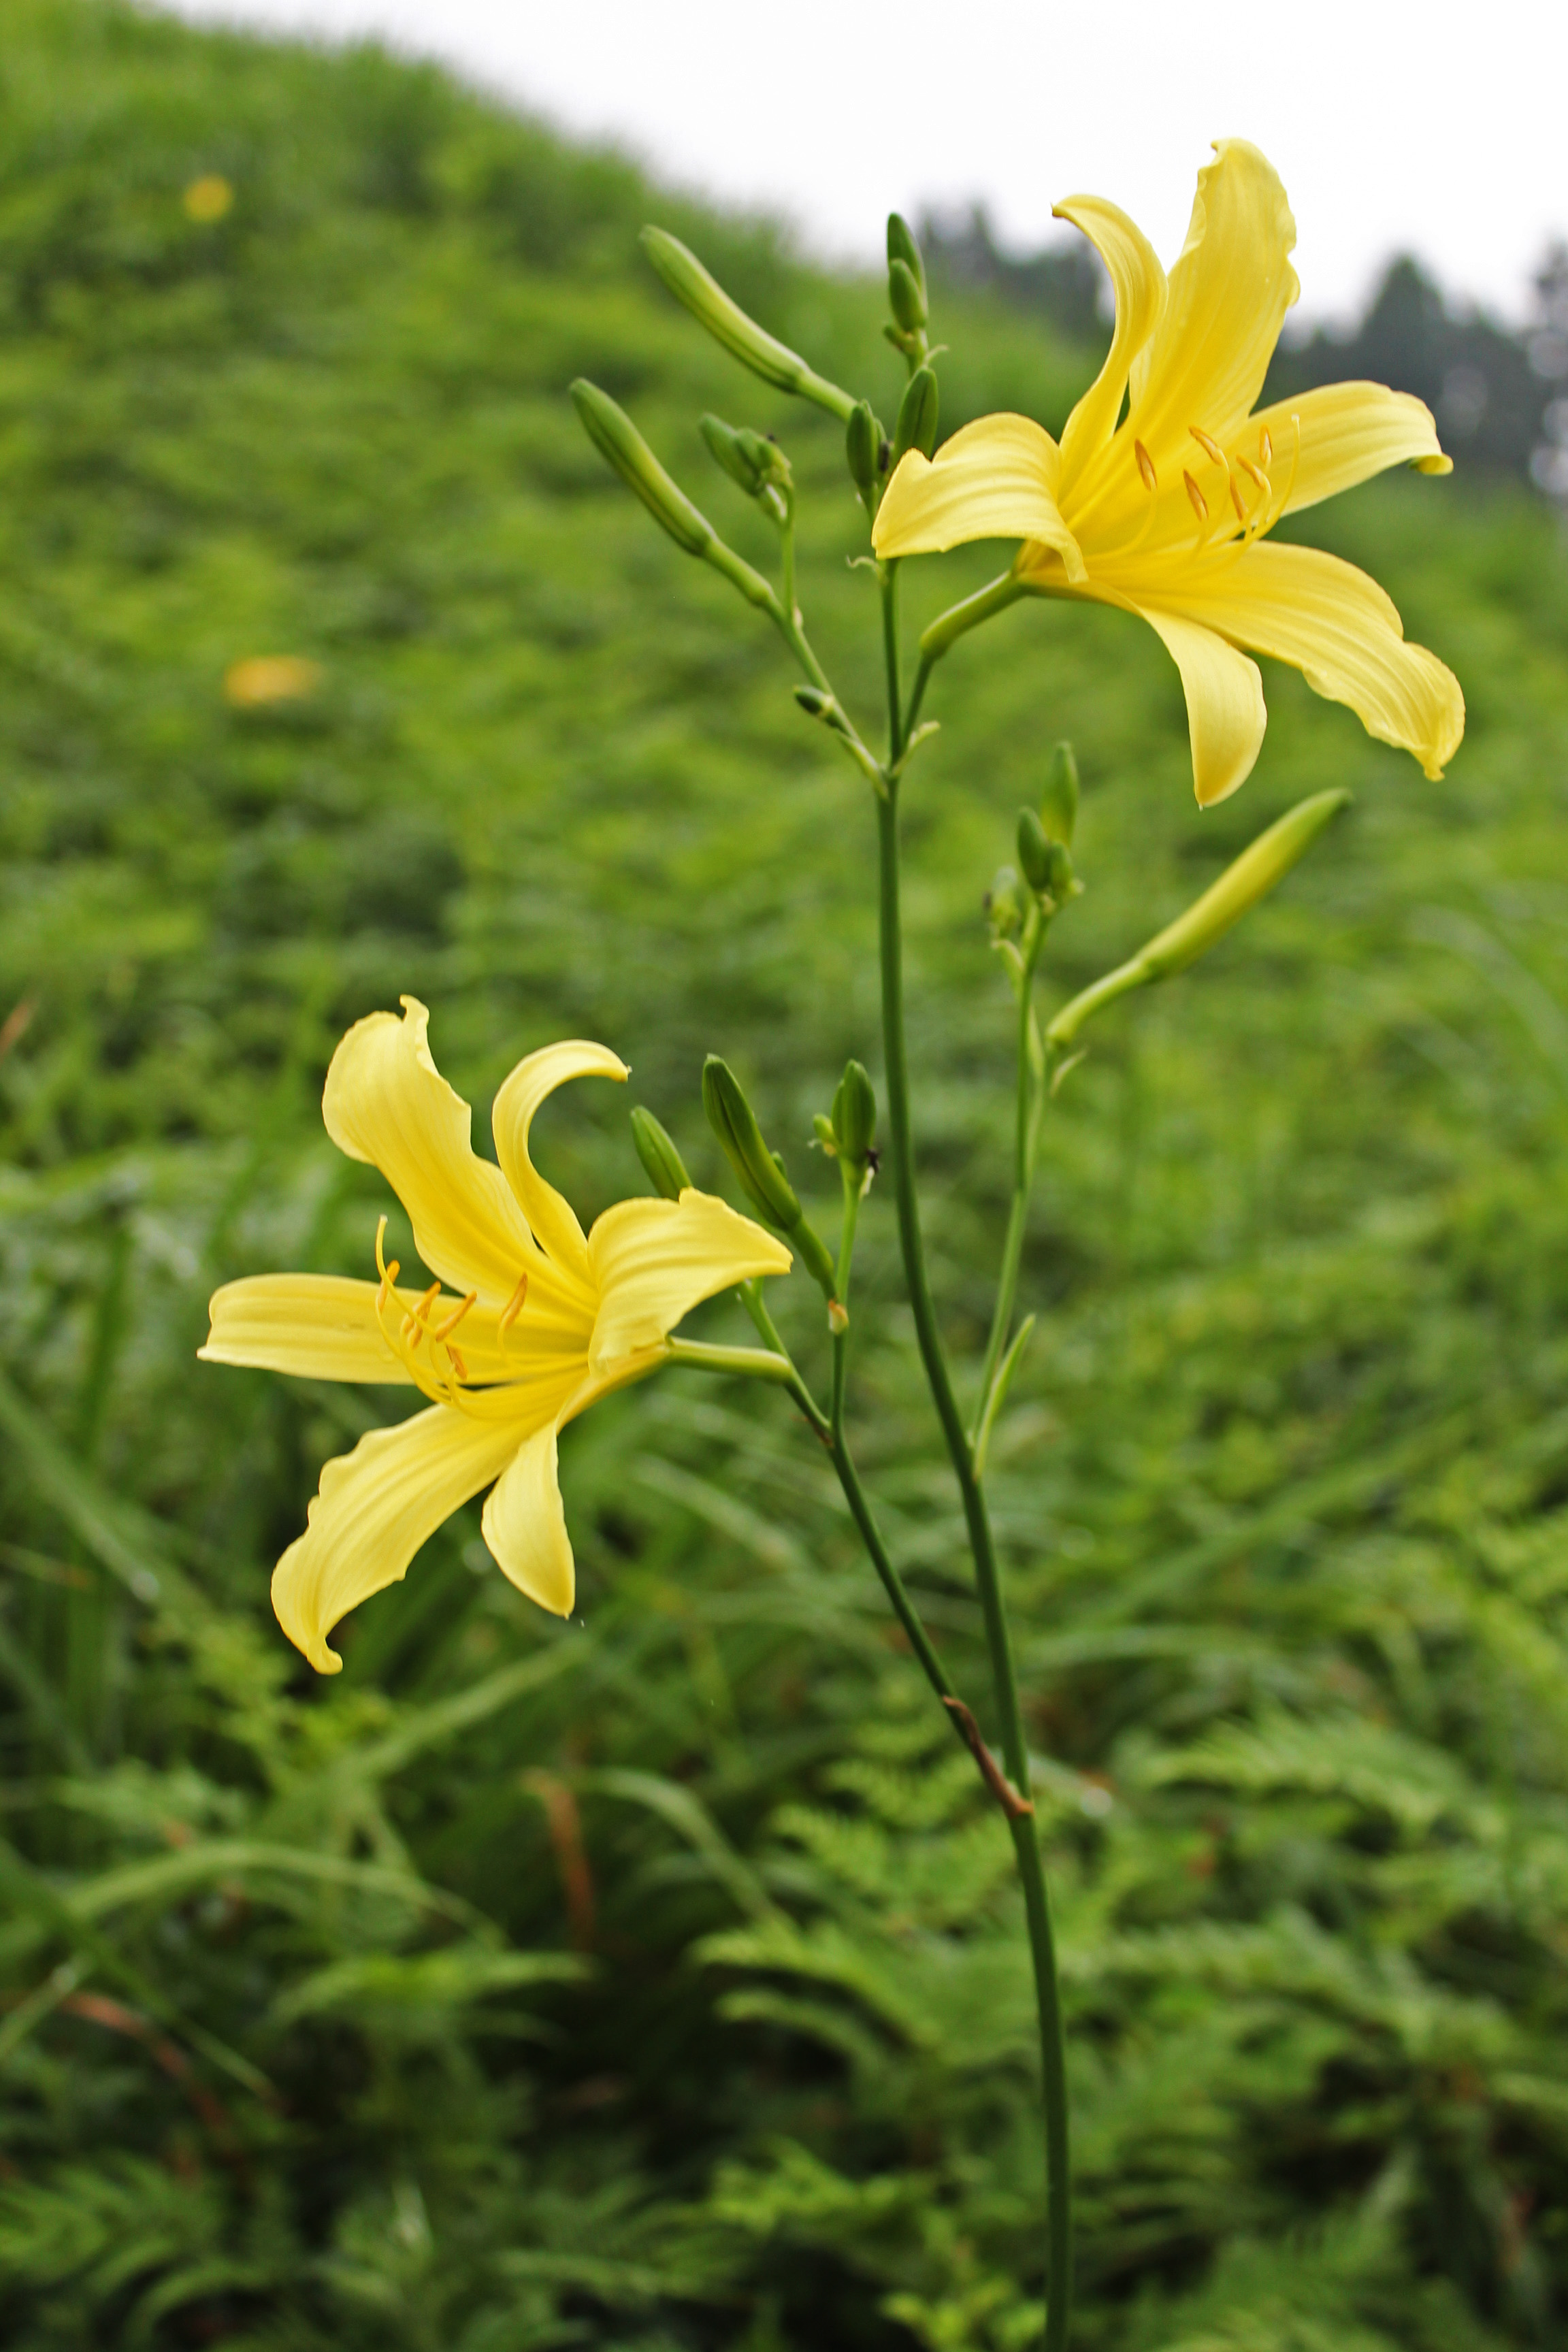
(540, 1321)
(1163, 510)
(209, 198)
(269, 678)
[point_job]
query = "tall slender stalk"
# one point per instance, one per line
(1025, 1841)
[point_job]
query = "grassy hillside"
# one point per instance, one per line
(656, 1980)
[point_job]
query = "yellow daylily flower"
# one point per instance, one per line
(1165, 512)
(538, 1321)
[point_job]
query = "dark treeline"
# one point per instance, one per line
(1496, 393)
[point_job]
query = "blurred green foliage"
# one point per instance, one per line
(656, 1980)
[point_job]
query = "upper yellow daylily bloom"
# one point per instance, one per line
(1167, 512)
(539, 1320)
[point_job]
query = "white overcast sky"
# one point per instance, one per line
(1438, 129)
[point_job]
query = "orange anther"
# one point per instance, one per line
(513, 1306)
(414, 1324)
(1208, 445)
(1254, 473)
(1265, 446)
(455, 1317)
(458, 1364)
(1236, 502)
(1146, 468)
(1200, 504)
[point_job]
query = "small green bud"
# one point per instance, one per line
(749, 458)
(728, 325)
(814, 702)
(662, 1164)
(623, 448)
(901, 246)
(1002, 904)
(915, 428)
(1059, 804)
(760, 1172)
(854, 1115)
(824, 1133)
(862, 451)
(906, 298)
(1063, 883)
(1034, 851)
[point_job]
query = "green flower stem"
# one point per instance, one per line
(949, 626)
(787, 536)
(1025, 1841)
(1026, 1137)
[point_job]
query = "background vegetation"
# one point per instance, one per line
(656, 1980)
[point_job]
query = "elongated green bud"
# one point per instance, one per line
(1034, 851)
(761, 1175)
(1059, 804)
(863, 451)
(915, 428)
(902, 246)
(854, 1115)
(905, 298)
(622, 446)
(662, 1164)
(1251, 876)
(728, 325)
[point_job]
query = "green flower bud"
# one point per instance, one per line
(760, 1172)
(906, 298)
(915, 428)
(814, 702)
(901, 246)
(1059, 804)
(1249, 878)
(863, 451)
(662, 1164)
(1255, 873)
(729, 325)
(824, 1133)
(1034, 851)
(855, 1114)
(622, 446)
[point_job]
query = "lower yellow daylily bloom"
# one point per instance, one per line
(538, 1321)
(1163, 512)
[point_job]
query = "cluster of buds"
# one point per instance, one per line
(754, 461)
(1024, 897)
(871, 456)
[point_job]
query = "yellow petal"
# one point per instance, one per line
(525, 1526)
(385, 1102)
(1139, 283)
(375, 1507)
(1226, 717)
(1336, 627)
(554, 1223)
(996, 479)
(653, 1260)
(317, 1324)
(1228, 295)
(1348, 432)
